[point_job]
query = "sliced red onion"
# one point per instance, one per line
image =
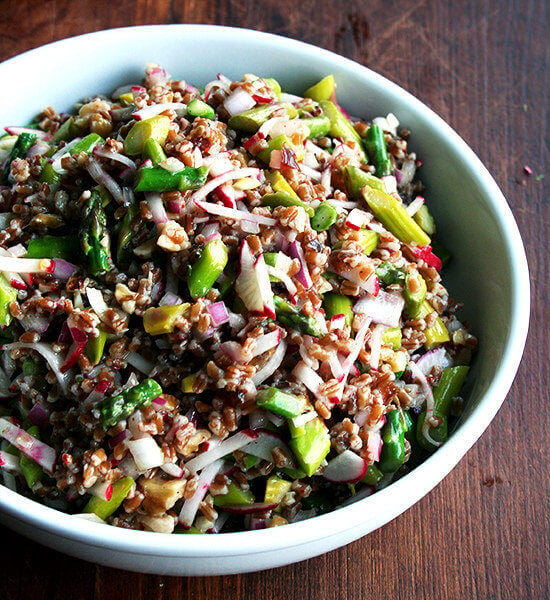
(438, 357)
(52, 358)
(116, 156)
(246, 226)
(234, 351)
(43, 454)
(38, 414)
(228, 446)
(139, 362)
(156, 206)
(238, 102)
(156, 109)
(119, 438)
(80, 339)
(219, 313)
(40, 135)
(63, 269)
(26, 265)
(347, 467)
(146, 453)
(38, 149)
(211, 185)
(271, 365)
(170, 299)
(245, 509)
(9, 462)
(100, 176)
(64, 149)
(385, 308)
(419, 376)
(191, 505)
(303, 275)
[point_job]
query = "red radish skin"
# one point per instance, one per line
(347, 467)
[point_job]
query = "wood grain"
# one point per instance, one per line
(485, 531)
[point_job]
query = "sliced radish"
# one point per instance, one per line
(357, 219)
(347, 467)
(303, 275)
(247, 284)
(266, 292)
(438, 357)
(266, 342)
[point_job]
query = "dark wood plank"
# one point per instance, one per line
(484, 532)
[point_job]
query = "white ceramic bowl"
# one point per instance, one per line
(489, 273)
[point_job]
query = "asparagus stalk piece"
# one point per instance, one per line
(19, 150)
(376, 150)
(393, 215)
(94, 235)
(121, 406)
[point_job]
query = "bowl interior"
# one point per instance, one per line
(458, 188)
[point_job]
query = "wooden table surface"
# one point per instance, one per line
(484, 532)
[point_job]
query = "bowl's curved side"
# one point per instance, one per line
(472, 213)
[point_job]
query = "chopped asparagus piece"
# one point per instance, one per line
(285, 199)
(322, 90)
(121, 406)
(162, 319)
(105, 508)
(376, 149)
(393, 215)
(156, 128)
(207, 268)
(281, 403)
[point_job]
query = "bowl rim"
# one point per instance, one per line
(424, 477)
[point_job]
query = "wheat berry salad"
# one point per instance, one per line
(221, 309)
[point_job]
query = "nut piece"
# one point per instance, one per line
(161, 495)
